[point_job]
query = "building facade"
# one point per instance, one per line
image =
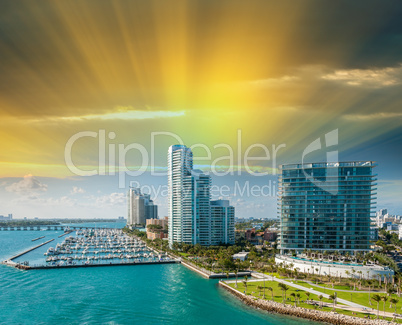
(326, 206)
(222, 223)
(140, 207)
(189, 199)
(157, 233)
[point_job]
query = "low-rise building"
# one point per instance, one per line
(242, 256)
(159, 229)
(270, 235)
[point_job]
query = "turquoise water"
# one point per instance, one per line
(143, 294)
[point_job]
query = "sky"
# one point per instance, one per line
(88, 88)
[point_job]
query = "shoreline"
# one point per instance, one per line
(311, 314)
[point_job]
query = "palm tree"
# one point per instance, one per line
(272, 292)
(390, 291)
(394, 301)
(321, 298)
(259, 288)
(333, 298)
(308, 295)
(377, 299)
(384, 299)
(360, 279)
(235, 271)
(369, 282)
(298, 297)
(245, 285)
(227, 274)
(284, 288)
(294, 295)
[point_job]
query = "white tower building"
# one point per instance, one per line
(140, 207)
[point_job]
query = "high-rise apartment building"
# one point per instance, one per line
(326, 206)
(189, 200)
(222, 223)
(140, 207)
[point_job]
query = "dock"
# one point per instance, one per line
(29, 250)
(38, 238)
(66, 233)
(41, 267)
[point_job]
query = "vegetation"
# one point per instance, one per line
(249, 224)
(28, 223)
(297, 298)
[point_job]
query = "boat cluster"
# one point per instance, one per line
(97, 245)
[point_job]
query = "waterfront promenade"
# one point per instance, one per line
(343, 303)
(301, 312)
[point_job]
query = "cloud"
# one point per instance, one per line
(77, 190)
(29, 185)
(122, 113)
(113, 199)
(34, 200)
(373, 78)
(269, 82)
(371, 117)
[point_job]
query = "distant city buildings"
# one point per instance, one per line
(6, 218)
(192, 217)
(140, 207)
(326, 206)
(384, 220)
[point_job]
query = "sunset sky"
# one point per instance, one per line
(278, 72)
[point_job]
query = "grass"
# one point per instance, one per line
(277, 292)
(277, 295)
(359, 297)
(277, 275)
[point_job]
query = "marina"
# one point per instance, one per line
(94, 247)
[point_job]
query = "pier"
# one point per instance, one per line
(38, 238)
(29, 250)
(41, 267)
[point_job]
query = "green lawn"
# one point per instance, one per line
(277, 292)
(359, 297)
(277, 295)
(277, 275)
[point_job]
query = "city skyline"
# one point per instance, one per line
(282, 74)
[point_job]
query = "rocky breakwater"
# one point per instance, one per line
(312, 314)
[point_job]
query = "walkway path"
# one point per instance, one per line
(341, 290)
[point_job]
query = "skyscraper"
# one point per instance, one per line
(189, 201)
(222, 223)
(326, 206)
(140, 207)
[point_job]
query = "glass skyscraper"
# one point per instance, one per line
(190, 219)
(326, 206)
